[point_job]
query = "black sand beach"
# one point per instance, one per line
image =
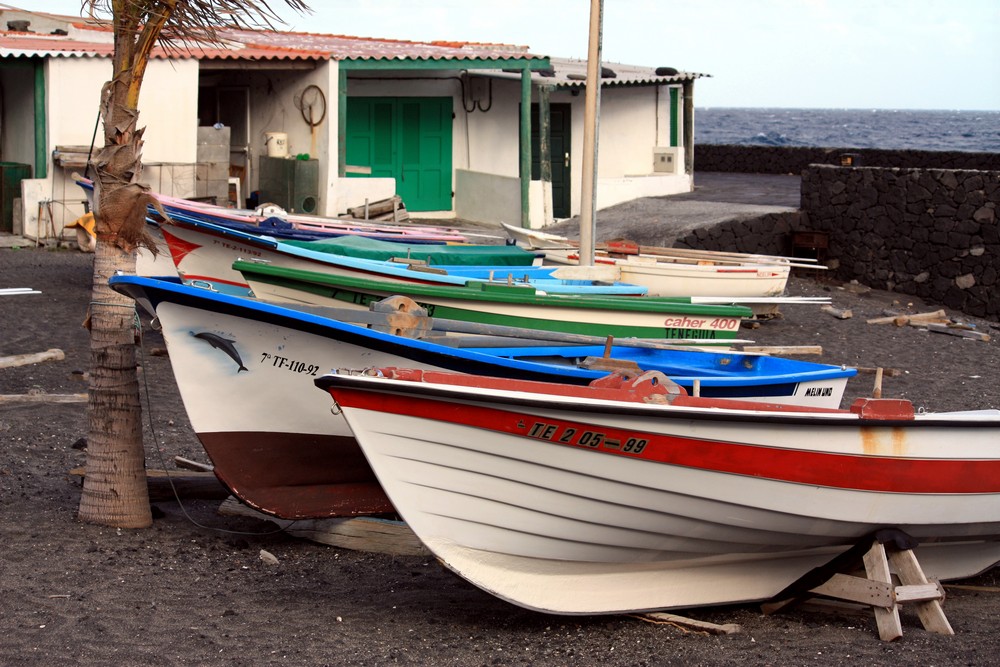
(193, 590)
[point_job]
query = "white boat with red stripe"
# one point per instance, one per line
(636, 497)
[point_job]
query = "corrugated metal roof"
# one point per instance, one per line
(265, 45)
(346, 47)
(572, 73)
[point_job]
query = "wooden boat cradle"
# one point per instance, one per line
(886, 551)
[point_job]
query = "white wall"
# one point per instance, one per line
(483, 197)
(73, 91)
(170, 118)
(494, 135)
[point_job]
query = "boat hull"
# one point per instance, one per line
(677, 278)
(245, 372)
(582, 506)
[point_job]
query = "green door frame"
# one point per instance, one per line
(525, 65)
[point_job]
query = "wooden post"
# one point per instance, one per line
(887, 618)
(591, 125)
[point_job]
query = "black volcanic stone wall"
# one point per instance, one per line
(929, 232)
(768, 234)
(794, 159)
(934, 233)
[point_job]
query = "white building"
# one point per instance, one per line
(454, 128)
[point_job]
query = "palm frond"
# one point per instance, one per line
(189, 21)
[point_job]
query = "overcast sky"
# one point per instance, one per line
(894, 54)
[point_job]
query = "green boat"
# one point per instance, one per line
(670, 318)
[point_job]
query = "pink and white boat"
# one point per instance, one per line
(592, 500)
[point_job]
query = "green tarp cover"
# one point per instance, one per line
(434, 254)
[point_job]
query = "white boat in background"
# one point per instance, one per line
(675, 271)
(599, 500)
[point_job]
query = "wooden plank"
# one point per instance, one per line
(783, 349)
(856, 589)
(886, 372)
(690, 623)
(377, 208)
(188, 464)
(919, 592)
(52, 354)
(43, 398)
(970, 587)
(357, 533)
(901, 320)
(890, 627)
(610, 364)
(956, 331)
(167, 485)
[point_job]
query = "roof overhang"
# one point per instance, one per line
(570, 74)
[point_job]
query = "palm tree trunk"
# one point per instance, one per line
(114, 490)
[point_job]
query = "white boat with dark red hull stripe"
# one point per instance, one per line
(578, 500)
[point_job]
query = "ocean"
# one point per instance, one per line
(975, 131)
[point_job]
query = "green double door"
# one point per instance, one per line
(408, 139)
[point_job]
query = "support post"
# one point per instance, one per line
(41, 139)
(588, 212)
(545, 152)
(525, 146)
(688, 94)
(341, 122)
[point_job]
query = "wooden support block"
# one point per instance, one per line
(839, 313)
(610, 364)
(928, 317)
(876, 589)
(358, 533)
(53, 354)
